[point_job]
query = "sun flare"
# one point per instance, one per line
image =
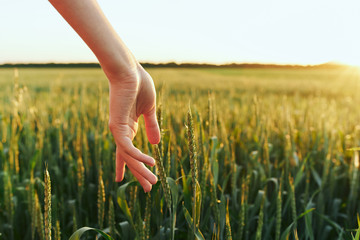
(352, 62)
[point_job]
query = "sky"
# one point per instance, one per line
(203, 31)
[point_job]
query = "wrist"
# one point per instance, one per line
(118, 71)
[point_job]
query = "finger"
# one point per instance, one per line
(143, 182)
(120, 166)
(152, 127)
(140, 168)
(135, 153)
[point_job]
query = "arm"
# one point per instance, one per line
(90, 23)
(132, 91)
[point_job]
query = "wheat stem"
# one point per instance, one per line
(47, 207)
(101, 200)
(163, 178)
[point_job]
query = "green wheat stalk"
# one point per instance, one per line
(242, 209)
(32, 205)
(111, 218)
(228, 235)
(261, 220)
(57, 231)
(193, 163)
(101, 199)
(39, 218)
(168, 164)
(160, 122)
(47, 207)
(147, 216)
(214, 200)
(80, 176)
(293, 202)
(210, 116)
(8, 194)
(163, 179)
(278, 213)
(75, 225)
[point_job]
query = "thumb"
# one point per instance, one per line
(152, 127)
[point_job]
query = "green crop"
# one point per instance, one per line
(258, 154)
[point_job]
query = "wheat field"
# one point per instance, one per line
(245, 154)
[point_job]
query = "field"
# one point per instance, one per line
(245, 154)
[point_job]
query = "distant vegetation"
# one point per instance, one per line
(174, 65)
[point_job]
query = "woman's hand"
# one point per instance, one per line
(132, 91)
(133, 95)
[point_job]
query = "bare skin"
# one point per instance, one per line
(132, 91)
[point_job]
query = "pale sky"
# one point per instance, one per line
(222, 31)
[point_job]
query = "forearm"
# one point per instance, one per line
(88, 20)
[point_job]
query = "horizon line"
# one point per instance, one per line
(173, 64)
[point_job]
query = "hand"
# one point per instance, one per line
(131, 95)
(132, 91)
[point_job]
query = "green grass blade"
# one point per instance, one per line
(189, 220)
(197, 200)
(121, 200)
(175, 198)
(213, 160)
(357, 236)
(77, 235)
(288, 229)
